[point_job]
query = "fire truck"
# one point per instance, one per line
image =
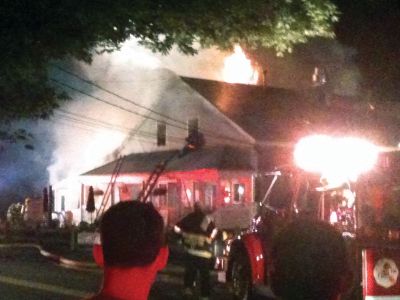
(332, 179)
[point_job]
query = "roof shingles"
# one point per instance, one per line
(218, 157)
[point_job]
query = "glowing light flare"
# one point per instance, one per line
(336, 159)
(238, 68)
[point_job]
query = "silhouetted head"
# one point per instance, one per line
(310, 262)
(132, 234)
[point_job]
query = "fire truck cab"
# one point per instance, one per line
(290, 194)
(293, 192)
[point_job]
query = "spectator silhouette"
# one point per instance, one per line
(133, 246)
(310, 262)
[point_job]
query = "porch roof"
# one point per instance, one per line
(222, 158)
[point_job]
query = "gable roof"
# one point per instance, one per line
(218, 157)
(276, 114)
(256, 109)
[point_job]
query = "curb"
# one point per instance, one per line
(53, 257)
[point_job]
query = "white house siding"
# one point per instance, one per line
(180, 103)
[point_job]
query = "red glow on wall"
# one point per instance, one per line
(202, 174)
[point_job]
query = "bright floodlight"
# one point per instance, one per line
(336, 159)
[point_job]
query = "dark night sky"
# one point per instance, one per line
(365, 53)
(373, 29)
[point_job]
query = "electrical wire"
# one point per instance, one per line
(117, 95)
(148, 109)
(89, 129)
(113, 104)
(209, 134)
(97, 124)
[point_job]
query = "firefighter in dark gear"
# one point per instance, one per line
(197, 230)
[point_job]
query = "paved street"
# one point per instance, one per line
(25, 274)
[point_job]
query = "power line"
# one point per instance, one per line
(93, 129)
(138, 139)
(146, 116)
(117, 95)
(94, 123)
(112, 104)
(139, 105)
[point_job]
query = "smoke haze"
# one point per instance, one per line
(134, 73)
(85, 132)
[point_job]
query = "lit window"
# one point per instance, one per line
(238, 193)
(227, 195)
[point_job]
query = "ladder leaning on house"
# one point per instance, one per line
(107, 193)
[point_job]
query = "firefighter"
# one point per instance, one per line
(198, 231)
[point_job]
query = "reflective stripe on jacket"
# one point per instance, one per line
(197, 244)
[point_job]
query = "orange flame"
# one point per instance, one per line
(238, 68)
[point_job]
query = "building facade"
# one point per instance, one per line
(247, 130)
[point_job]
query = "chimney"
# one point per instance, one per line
(319, 84)
(264, 77)
(318, 77)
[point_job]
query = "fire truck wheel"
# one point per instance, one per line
(241, 277)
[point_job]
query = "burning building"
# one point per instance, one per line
(248, 129)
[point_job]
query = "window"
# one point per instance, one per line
(238, 193)
(125, 192)
(210, 192)
(62, 203)
(161, 134)
(196, 191)
(162, 197)
(193, 126)
(136, 189)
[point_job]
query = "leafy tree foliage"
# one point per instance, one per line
(34, 33)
